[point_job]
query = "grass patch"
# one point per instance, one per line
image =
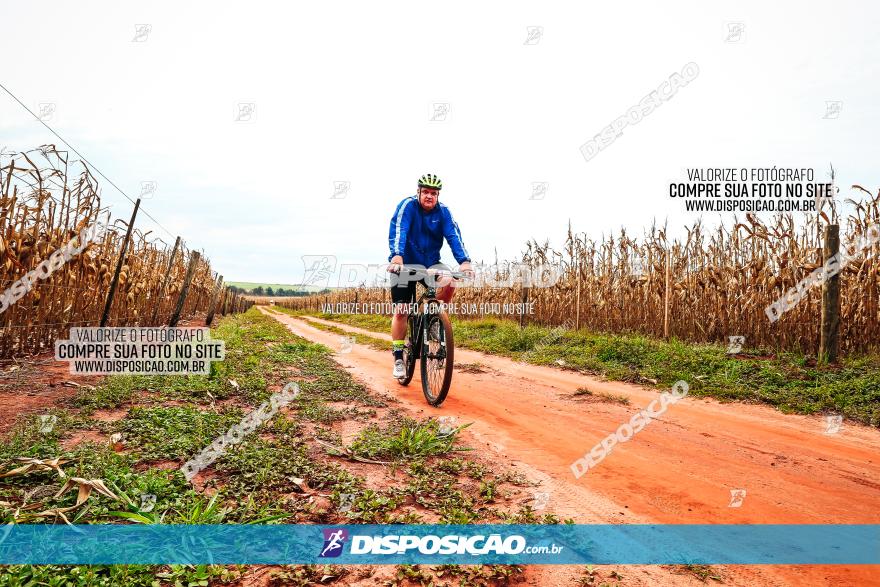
(405, 438)
(601, 396)
(267, 468)
(471, 367)
(441, 492)
(701, 572)
(174, 433)
(323, 377)
(591, 577)
(115, 575)
(304, 575)
(462, 575)
(36, 436)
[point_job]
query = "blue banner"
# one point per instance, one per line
(440, 544)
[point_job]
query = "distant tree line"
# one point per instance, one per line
(269, 291)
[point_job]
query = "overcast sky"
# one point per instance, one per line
(346, 92)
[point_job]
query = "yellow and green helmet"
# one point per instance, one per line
(429, 180)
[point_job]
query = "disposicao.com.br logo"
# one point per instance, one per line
(453, 544)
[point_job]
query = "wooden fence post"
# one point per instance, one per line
(198, 297)
(165, 280)
(577, 311)
(666, 296)
(193, 261)
(829, 337)
(115, 282)
(214, 300)
(525, 301)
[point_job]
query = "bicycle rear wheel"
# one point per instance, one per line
(437, 356)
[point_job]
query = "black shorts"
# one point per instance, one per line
(405, 294)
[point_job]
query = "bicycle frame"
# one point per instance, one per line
(416, 320)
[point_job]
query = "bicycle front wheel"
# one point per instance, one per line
(409, 354)
(437, 357)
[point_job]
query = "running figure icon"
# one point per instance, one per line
(333, 541)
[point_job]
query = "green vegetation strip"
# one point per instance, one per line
(791, 382)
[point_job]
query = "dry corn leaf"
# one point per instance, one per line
(85, 487)
(31, 464)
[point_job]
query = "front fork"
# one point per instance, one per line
(419, 337)
(440, 355)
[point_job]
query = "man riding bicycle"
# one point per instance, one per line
(418, 227)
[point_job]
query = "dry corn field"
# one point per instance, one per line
(46, 200)
(719, 282)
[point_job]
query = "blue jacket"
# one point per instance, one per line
(417, 235)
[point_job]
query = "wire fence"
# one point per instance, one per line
(47, 202)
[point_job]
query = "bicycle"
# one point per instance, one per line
(429, 338)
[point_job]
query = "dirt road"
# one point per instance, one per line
(679, 469)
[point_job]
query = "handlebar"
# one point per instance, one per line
(457, 275)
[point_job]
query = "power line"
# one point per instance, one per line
(72, 148)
